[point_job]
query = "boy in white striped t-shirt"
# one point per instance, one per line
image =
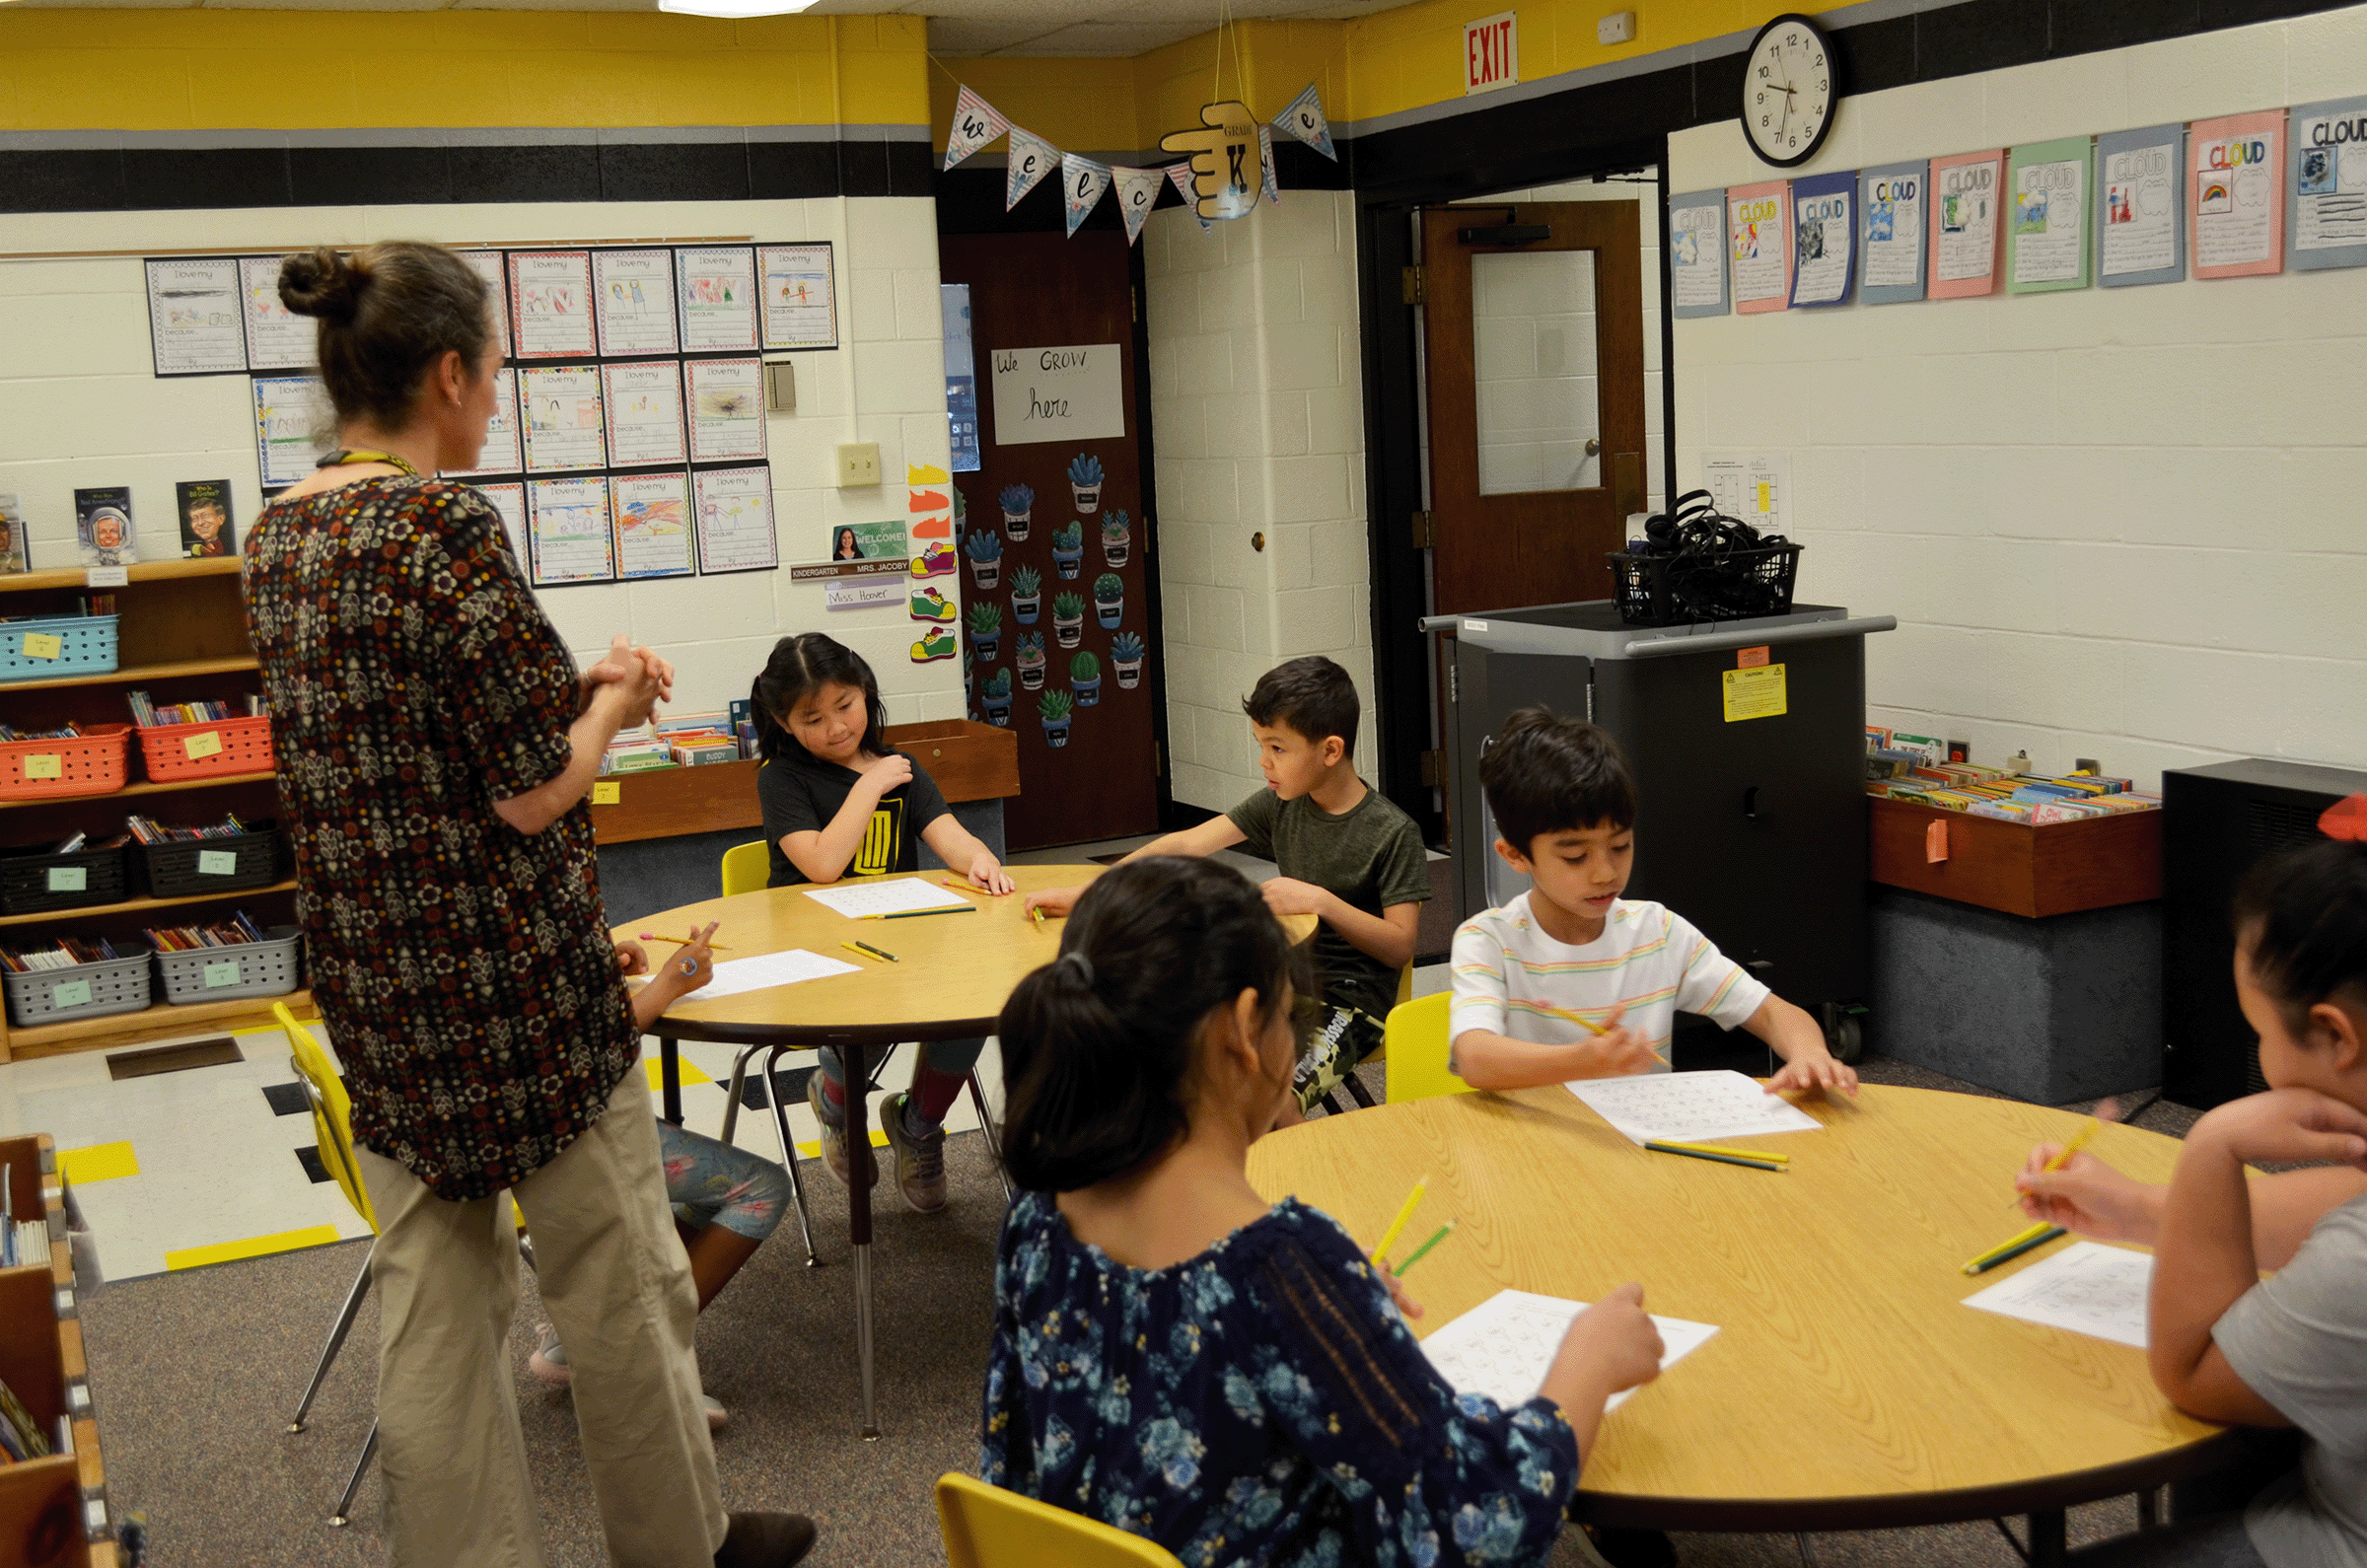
(1534, 980)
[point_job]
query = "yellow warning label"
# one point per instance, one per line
(1755, 694)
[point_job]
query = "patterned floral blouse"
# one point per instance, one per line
(1261, 1404)
(463, 968)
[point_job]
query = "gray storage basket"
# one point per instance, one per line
(264, 969)
(116, 986)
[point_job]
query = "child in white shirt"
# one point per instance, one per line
(1570, 980)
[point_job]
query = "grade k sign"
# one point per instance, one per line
(1492, 52)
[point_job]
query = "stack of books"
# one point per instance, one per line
(64, 732)
(148, 830)
(236, 932)
(697, 739)
(1901, 772)
(148, 716)
(635, 751)
(66, 954)
(20, 1435)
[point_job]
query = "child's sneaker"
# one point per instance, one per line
(717, 1415)
(549, 1359)
(919, 1160)
(833, 1136)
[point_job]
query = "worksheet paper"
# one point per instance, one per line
(735, 520)
(194, 316)
(295, 427)
(571, 541)
(727, 409)
(1504, 1346)
(278, 338)
(2049, 236)
(486, 265)
(1894, 228)
(888, 897)
(734, 975)
(644, 413)
(2329, 183)
(1964, 224)
(564, 424)
(501, 453)
(1758, 245)
(1689, 1107)
(1698, 253)
(653, 525)
(633, 300)
(801, 297)
(1823, 226)
(550, 303)
(2137, 186)
(2087, 1287)
(2238, 211)
(509, 499)
(717, 285)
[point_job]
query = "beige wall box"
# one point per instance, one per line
(1617, 28)
(780, 386)
(858, 464)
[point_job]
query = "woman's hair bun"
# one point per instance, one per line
(322, 283)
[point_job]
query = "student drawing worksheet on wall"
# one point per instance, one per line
(643, 408)
(509, 499)
(727, 409)
(194, 316)
(565, 427)
(278, 338)
(570, 539)
(502, 451)
(487, 266)
(653, 525)
(632, 294)
(735, 520)
(801, 299)
(295, 427)
(550, 303)
(718, 291)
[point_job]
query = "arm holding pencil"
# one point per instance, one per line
(2088, 1196)
(690, 967)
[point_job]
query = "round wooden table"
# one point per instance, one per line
(1847, 1387)
(953, 973)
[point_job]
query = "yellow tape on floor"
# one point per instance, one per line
(657, 1074)
(251, 1247)
(98, 1161)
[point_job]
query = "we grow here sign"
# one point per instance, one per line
(1069, 393)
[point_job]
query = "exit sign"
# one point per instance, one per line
(1492, 52)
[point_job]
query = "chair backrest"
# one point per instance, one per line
(746, 868)
(986, 1527)
(1404, 986)
(332, 1111)
(1417, 1037)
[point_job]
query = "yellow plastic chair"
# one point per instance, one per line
(1417, 1037)
(746, 868)
(986, 1527)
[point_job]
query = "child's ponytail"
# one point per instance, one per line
(1098, 1045)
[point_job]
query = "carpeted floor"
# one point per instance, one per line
(194, 1374)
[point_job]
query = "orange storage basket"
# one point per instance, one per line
(96, 763)
(217, 745)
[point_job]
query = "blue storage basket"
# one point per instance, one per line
(86, 647)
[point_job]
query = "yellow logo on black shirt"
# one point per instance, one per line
(880, 839)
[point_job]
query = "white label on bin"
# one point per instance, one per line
(207, 745)
(1475, 626)
(69, 879)
(41, 645)
(47, 764)
(217, 862)
(219, 975)
(73, 993)
(107, 577)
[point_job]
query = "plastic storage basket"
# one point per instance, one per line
(1673, 591)
(31, 879)
(80, 990)
(217, 975)
(218, 745)
(85, 645)
(185, 868)
(96, 763)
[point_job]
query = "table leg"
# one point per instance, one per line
(2046, 1539)
(670, 1073)
(858, 1222)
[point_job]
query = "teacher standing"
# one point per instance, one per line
(435, 749)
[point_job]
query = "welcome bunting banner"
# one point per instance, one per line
(1179, 175)
(975, 123)
(1082, 184)
(1137, 192)
(1265, 163)
(1032, 158)
(1305, 121)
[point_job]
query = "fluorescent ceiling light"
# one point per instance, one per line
(734, 8)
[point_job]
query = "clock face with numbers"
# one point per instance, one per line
(1788, 90)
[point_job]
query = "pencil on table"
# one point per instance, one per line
(1036, 910)
(1436, 1236)
(1719, 1148)
(2012, 1248)
(914, 914)
(1754, 1162)
(867, 947)
(1405, 1210)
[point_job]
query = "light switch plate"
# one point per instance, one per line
(1617, 28)
(858, 464)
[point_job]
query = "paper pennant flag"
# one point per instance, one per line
(1138, 194)
(1180, 176)
(1305, 121)
(975, 123)
(1082, 185)
(1266, 161)
(921, 474)
(2346, 819)
(1032, 158)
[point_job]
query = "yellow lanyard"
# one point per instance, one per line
(346, 455)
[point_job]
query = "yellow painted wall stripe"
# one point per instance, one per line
(253, 1246)
(98, 1161)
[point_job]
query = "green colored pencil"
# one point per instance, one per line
(1722, 1158)
(914, 914)
(1982, 1266)
(1436, 1236)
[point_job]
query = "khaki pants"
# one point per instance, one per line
(616, 1282)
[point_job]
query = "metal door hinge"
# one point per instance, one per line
(1134, 298)
(1425, 532)
(1455, 686)
(1413, 285)
(1434, 769)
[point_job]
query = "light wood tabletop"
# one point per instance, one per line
(954, 971)
(1847, 1388)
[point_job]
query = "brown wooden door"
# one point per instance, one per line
(1101, 780)
(1533, 344)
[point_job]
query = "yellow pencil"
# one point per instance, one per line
(2079, 1141)
(1575, 1018)
(1036, 910)
(1389, 1238)
(867, 949)
(1719, 1148)
(1973, 1264)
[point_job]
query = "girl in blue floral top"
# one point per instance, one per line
(1175, 1357)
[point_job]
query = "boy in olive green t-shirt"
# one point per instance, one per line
(1348, 855)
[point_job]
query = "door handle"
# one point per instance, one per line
(1626, 485)
(1751, 803)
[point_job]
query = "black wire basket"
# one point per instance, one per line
(1685, 589)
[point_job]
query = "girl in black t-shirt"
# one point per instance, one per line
(839, 801)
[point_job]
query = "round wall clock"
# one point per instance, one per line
(1788, 90)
